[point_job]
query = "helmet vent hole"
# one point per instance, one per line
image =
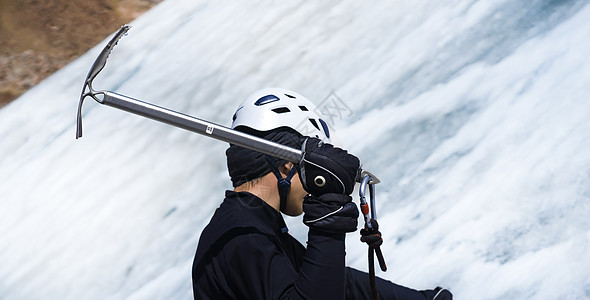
(281, 110)
(325, 126)
(303, 108)
(266, 100)
(315, 124)
(292, 97)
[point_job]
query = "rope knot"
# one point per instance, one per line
(372, 236)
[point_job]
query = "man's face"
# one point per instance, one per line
(294, 205)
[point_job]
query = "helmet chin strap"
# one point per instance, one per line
(283, 184)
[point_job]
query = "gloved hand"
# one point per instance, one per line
(332, 213)
(327, 169)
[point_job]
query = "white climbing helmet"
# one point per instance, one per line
(272, 108)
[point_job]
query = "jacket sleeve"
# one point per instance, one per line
(358, 287)
(260, 270)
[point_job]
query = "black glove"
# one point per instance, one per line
(332, 213)
(327, 169)
(438, 294)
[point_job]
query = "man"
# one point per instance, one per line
(246, 251)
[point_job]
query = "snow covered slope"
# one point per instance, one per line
(474, 115)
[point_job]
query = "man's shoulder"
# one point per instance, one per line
(232, 220)
(234, 244)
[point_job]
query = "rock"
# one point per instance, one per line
(38, 37)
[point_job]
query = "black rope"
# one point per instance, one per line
(372, 274)
(373, 239)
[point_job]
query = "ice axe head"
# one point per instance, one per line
(98, 65)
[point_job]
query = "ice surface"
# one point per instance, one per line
(474, 115)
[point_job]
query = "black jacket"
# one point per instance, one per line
(246, 253)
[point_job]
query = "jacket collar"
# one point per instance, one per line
(262, 211)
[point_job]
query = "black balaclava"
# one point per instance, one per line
(245, 165)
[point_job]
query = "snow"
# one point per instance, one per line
(472, 113)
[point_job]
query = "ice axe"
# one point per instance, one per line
(181, 120)
(190, 123)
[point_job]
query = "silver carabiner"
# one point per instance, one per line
(365, 209)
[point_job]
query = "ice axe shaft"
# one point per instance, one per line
(203, 127)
